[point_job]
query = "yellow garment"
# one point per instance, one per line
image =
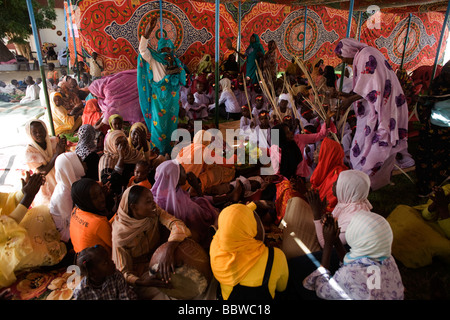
(278, 277)
(63, 122)
(416, 241)
(33, 242)
(237, 257)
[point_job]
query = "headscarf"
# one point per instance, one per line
(368, 235)
(234, 249)
(165, 43)
(111, 155)
(47, 154)
(256, 46)
(124, 227)
(81, 196)
(352, 190)
(86, 141)
(111, 118)
(135, 126)
(331, 164)
(225, 83)
(348, 47)
(204, 64)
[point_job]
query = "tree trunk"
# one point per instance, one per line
(24, 50)
(5, 54)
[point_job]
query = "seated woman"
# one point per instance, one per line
(138, 140)
(243, 265)
(40, 156)
(63, 121)
(89, 225)
(197, 213)
(430, 225)
(295, 215)
(228, 104)
(330, 163)
(210, 175)
(68, 169)
(86, 149)
(118, 161)
(93, 115)
(136, 236)
(28, 237)
(370, 239)
(351, 190)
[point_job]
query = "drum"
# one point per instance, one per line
(192, 270)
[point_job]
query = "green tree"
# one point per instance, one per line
(15, 25)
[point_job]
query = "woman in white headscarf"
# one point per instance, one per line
(68, 169)
(351, 189)
(40, 156)
(227, 98)
(369, 271)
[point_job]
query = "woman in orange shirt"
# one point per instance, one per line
(89, 224)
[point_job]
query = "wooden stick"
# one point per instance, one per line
(246, 95)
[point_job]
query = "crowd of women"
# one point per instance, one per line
(117, 197)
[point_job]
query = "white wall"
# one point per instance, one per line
(50, 35)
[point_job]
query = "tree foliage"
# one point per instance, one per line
(15, 22)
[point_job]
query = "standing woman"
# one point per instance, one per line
(270, 60)
(40, 156)
(381, 110)
(159, 77)
(86, 149)
(254, 53)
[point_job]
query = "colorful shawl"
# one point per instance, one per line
(252, 56)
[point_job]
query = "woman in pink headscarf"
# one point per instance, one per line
(381, 110)
(197, 213)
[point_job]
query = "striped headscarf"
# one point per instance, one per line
(368, 235)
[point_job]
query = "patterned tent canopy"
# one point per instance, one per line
(113, 28)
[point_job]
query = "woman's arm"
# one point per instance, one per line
(60, 148)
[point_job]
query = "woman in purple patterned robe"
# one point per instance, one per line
(381, 110)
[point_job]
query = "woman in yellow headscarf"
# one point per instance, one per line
(241, 263)
(63, 121)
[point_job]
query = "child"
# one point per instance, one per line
(246, 124)
(193, 109)
(259, 106)
(115, 122)
(201, 96)
(141, 172)
(102, 281)
(284, 111)
(32, 92)
(52, 73)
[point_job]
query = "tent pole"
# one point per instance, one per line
(217, 17)
(160, 19)
(406, 41)
(73, 37)
(349, 27)
(360, 21)
(304, 32)
(441, 39)
(41, 66)
(239, 27)
(67, 39)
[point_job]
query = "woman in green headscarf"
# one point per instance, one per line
(159, 74)
(253, 54)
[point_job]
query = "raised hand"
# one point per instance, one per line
(317, 205)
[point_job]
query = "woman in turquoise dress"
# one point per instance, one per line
(159, 76)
